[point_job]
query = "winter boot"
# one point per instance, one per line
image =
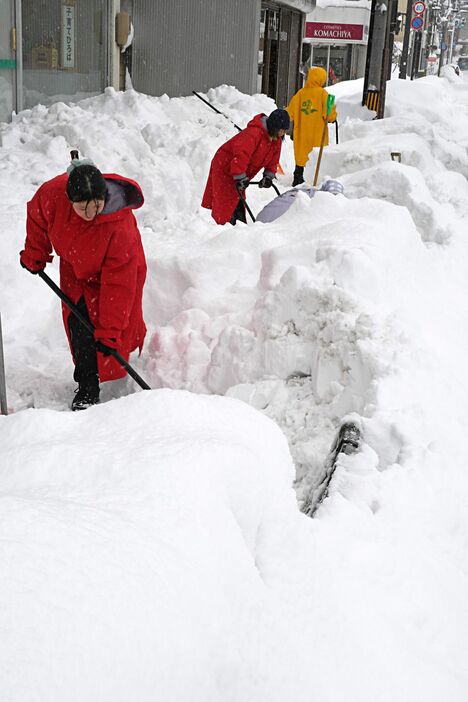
(298, 175)
(86, 394)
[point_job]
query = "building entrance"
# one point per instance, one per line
(279, 50)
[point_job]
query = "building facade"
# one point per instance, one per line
(65, 50)
(335, 37)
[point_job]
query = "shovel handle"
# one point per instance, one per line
(74, 310)
(257, 182)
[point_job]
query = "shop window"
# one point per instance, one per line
(63, 50)
(336, 60)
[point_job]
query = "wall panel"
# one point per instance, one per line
(185, 45)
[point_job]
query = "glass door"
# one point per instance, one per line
(8, 45)
(270, 51)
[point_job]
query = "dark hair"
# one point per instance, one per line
(86, 183)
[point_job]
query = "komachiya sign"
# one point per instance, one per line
(337, 32)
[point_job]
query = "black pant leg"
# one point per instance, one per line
(239, 213)
(84, 348)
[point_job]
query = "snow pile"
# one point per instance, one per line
(134, 537)
(347, 304)
(309, 312)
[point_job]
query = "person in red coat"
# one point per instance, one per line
(86, 217)
(238, 161)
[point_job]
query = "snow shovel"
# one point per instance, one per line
(112, 352)
(241, 195)
(216, 109)
(257, 182)
(330, 103)
(3, 394)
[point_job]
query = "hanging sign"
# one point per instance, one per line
(339, 32)
(419, 8)
(68, 35)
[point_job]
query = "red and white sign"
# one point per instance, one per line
(417, 22)
(337, 32)
(419, 8)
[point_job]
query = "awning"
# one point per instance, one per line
(302, 5)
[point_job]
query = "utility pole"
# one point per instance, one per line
(442, 44)
(379, 55)
(406, 37)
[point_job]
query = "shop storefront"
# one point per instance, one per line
(66, 50)
(52, 50)
(281, 31)
(336, 39)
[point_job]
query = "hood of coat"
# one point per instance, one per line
(128, 191)
(259, 121)
(122, 193)
(316, 78)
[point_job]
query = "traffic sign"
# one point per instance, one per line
(419, 7)
(443, 45)
(417, 22)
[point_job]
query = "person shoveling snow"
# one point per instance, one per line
(86, 217)
(281, 204)
(238, 160)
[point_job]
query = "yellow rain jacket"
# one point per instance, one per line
(308, 109)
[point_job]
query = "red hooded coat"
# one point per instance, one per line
(246, 153)
(101, 260)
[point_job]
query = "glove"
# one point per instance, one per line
(266, 182)
(242, 183)
(39, 266)
(105, 341)
(106, 349)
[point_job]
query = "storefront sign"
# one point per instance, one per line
(337, 32)
(68, 36)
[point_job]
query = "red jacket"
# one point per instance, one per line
(102, 261)
(246, 153)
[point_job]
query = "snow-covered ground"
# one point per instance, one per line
(152, 547)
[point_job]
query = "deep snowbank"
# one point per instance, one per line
(137, 548)
(354, 303)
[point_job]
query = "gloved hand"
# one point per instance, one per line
(39, 266)
(242, 183)
(266, 182)
(105, 341)
(105, 349)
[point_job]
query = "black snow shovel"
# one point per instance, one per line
(257, 182)
(112, 352)
(242, 197)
